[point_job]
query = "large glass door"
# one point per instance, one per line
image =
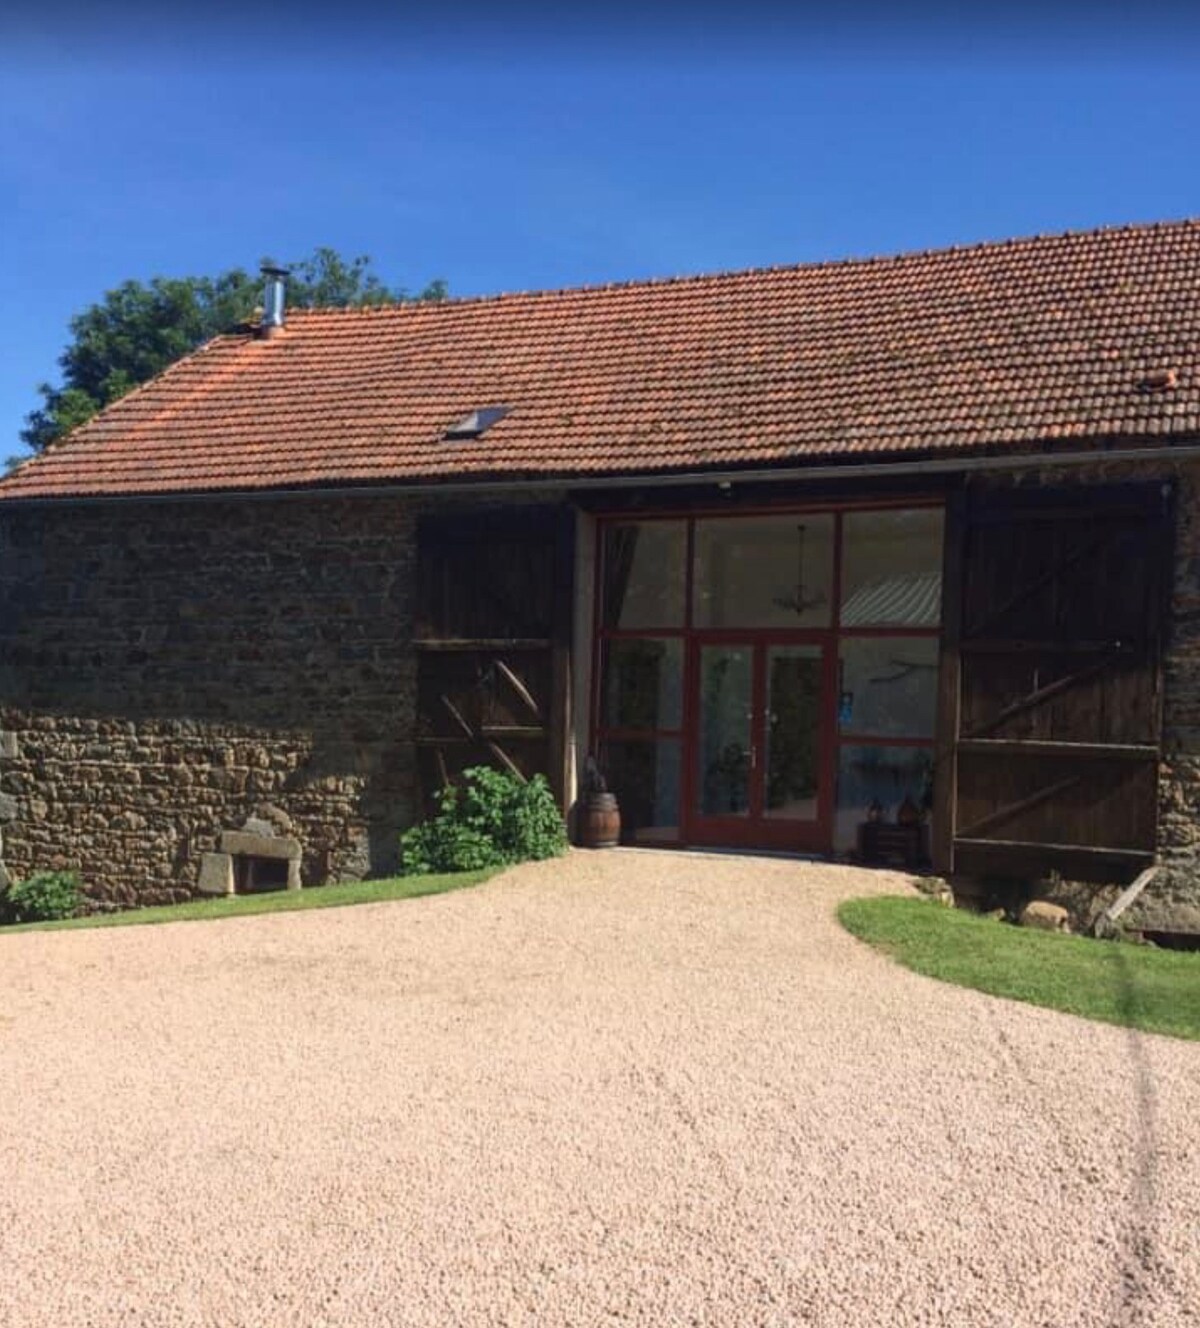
(791, 732)
(759, 736)
(768, 678)
(726, 757)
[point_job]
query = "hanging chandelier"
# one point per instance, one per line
(799, 601)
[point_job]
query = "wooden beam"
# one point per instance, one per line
(465, 643)
(1080, 862)
(1007, 812)
(1004, 516)
(981, 646)
(456, 715)
(1035, 698)
(1159, 612)
(949, 703)
(1105, 924)
(1106, 751)
(558, 754)
(505, 760)
(1132, 498)
(1033, 846)
(518, 686)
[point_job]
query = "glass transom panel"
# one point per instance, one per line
(772, 571)
(645, 572)
(892, 568)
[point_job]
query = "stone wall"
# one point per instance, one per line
(167, 667)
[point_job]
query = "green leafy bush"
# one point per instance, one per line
(43, 897)
(493, 820)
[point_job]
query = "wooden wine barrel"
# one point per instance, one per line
(599, 821)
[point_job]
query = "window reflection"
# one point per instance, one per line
(893, 784)
(643, 684)
(892, 568)
(888, 686)
(723, 751)
(644, 574)
(645, 775)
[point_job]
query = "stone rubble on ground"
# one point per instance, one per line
(1042, 914)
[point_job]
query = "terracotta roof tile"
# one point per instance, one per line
(937, 353)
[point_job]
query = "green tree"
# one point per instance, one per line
(141, 327)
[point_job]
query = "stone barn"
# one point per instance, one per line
(893, 560)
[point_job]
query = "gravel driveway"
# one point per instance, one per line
(628, 1087)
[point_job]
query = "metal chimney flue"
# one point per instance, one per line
(274, 299)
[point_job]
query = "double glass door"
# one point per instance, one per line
(759, 738)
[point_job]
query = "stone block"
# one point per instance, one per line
(244, 844)
(8, 808)
(1045, 915)
(9, 751)
(5, 878)
(216, 874)
(275, 816)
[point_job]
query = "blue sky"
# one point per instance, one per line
(508, 156)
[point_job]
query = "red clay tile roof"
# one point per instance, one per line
(992, 347)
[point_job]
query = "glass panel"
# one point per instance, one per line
(644, 574)
(881, 783)
(792, 722)
(888, 686)
(726, 700)
(644, 776)
(643, 685)
(892, 568)
(774, 571)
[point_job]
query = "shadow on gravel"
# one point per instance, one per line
(1141, 1261)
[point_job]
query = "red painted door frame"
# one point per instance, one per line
(806, 837)
(756, 830)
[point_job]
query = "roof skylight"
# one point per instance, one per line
(477, 422)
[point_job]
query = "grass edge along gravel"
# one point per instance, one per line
(275, 901)
(1133, 986)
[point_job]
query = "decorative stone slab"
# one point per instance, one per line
(8, 747)
(216, 874)
(242, 843)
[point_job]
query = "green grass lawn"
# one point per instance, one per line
(1135, 986)
(276, 901)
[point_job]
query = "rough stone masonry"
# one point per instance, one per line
(166, 667)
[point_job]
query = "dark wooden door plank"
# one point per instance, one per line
(1013, 809)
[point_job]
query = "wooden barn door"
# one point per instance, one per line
(1052, 695)
(493, 627)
